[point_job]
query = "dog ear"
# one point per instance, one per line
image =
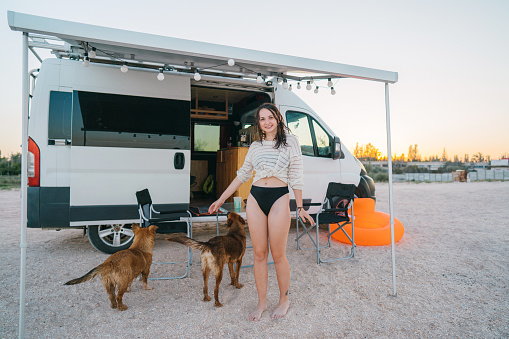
(229, 222)
(135, 227)
(242, 221)
(153, 229)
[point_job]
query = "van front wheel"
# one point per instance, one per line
(111, 238)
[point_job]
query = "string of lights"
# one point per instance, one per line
(91, 52)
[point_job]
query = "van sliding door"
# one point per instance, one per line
(122, 144)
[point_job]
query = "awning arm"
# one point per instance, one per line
(24, 184)
(391, 201)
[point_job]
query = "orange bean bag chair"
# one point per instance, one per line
(372, 228)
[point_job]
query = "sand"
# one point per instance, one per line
(452, 279)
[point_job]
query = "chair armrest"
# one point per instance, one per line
(167, 212)
(172, 212)
(343, 209)
(312, 204)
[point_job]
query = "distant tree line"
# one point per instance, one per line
(371, 153)
(11, 165)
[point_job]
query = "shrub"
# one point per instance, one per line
(381, 177)
(10, 181)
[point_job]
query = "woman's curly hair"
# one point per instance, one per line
(282, 129)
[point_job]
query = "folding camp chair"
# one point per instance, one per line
(167, 222)
(334, 209)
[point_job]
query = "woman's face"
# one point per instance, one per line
(268, 122)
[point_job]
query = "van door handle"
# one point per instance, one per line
(59, 142)
(179, 160)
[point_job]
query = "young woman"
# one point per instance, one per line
(277, 159)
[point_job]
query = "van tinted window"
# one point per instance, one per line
(112, 120)
(59, 117)
(322, 140)
(313, 139)
(299, 125)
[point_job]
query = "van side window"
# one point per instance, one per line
(313, 139)
(299, 125)
(59, 117)
(112, 120)
(206, 138)
(322, 140)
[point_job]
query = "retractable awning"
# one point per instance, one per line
(122, 45)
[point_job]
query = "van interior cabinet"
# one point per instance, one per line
(228, 163)
(209, 104)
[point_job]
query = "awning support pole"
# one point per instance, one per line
(391, 202)
(24, 182)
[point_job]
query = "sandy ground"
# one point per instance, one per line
(452, 280)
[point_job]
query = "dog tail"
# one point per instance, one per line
(86, 277)
(197, 245)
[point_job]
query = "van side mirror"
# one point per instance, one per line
(337, 152)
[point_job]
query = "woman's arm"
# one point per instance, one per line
(235, 184)
(300, 209)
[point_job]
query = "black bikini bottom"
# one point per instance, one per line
(267, 196)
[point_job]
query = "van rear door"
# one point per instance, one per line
(122, 144)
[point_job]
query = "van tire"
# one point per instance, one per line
(110, 238)
(366, 188)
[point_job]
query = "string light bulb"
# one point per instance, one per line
(285, 84)
(231, 62)
(290, 88)
(92, 53)
(197, 76)
(259, 78)
(308, 86)
(298, 85)
(329, 82)
(332, 91)
(316, 89)
(160, 76)
(124, 68)
(312, 81)
(86, 60)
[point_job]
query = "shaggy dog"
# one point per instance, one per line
(219, 250)
(121, 268)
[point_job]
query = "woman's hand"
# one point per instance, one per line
(304, 215)
(215, 206)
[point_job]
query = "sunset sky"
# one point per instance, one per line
(452, 58)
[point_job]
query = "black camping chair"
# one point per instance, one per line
(337, 208)
(167, 222)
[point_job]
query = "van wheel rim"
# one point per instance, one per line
(115, 235)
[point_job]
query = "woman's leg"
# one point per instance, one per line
(279, 226)
(257, 222)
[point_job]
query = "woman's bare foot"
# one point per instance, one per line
(281, 310)
(256, 314)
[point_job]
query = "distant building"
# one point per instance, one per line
(430, 165)
(385, 164)
(435, 165)
(479, 165)
(500, 164)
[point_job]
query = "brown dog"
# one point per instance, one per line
(219, 250)
(121, 268)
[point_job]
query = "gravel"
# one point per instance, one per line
(451, 279)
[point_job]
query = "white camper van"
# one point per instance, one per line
(118, 111)
(97, 135)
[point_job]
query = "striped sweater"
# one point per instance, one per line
(284, 163)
